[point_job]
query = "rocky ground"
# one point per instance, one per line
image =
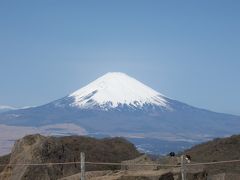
(40, 149)
(220, 149)
(36, 149)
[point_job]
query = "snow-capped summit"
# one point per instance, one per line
(114, 89)
(118, 105)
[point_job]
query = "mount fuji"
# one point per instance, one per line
(119, 105)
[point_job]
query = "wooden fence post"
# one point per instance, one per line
(82, 155)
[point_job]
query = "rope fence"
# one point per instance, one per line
(83, 163)
(118, 164)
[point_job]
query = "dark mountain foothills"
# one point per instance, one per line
(41, 149)
(220, 149)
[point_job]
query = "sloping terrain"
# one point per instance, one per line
(119, 105)
(4, 160)
(4, 108)
(220, 149)
(130, 171)
(39, 149)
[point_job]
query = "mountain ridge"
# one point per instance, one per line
(169, 120)
(4, 108)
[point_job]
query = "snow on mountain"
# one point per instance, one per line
(115, 89)
(118, 105)
(4, 108)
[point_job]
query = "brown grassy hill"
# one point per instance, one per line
(40, 149)
(219, 149)
(4, 160)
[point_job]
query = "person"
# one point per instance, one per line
(188, 158)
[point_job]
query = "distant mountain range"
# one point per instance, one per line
(4, 108)
(118, 105)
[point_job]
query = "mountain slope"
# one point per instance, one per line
(220, 149)
(41, 149)
(116, 89)
(118, 105)
(4, 108)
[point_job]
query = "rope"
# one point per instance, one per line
(126, 164)
(118, 164)
(40, 164)
(210, 163)
(90, 163)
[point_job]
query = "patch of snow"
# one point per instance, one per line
(27, 107)
(115, 89)
(3, 107)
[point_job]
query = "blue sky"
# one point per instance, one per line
(187, 50)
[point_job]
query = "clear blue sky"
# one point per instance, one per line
(187, 50)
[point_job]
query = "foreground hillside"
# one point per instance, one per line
(217, 150)
(40, 149)
(36, 149)
(221, 149)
